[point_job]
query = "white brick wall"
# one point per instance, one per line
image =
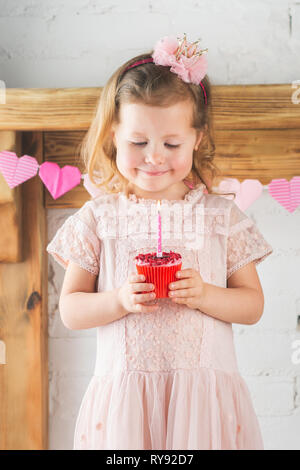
(69, 43)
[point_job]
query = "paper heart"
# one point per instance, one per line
(246, 192)
(90, 187)
(58, 180)
(17, 170)
(228, 185)
(287, 193)
(94, 190)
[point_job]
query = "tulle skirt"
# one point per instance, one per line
(181, 409)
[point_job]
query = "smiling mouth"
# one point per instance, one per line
(156, 173)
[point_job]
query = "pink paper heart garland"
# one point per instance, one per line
(246, 192)
(287, 193)
(58, 180)
(17, 170)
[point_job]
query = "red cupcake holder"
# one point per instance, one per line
(160, 276)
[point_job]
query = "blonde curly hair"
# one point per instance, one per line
(155, 86)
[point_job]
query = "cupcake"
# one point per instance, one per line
(159, 271)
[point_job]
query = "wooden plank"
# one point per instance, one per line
(31, 109)
(234, 107)
(24, 327)
(63, 148)
(255, 107)
(10, 207)
(259, 154)
(256, 154)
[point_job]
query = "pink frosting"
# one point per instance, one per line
(150, 259)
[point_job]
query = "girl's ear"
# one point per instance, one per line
(199, 139)
(112, 135)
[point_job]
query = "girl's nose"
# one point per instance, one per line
(154, 158)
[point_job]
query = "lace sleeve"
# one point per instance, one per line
(245, 242)
(76, 241)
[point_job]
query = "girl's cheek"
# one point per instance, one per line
(128, 160)
(181, 164)
(132, 163)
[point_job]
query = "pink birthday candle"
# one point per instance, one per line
(159, 253)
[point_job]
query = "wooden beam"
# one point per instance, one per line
(255, 107)
(234, 107)
(24, 324)
(32, 109)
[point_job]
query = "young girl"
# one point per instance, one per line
(166, 374)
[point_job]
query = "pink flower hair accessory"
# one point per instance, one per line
(189, 63)
(184, 58)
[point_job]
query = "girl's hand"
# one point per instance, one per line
(129, 297)
(189, 290)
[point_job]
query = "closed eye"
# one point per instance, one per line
(144, 143)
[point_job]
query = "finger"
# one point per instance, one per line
(137, 298)
(135, 277)
(184, 273)
(180, 284)
(136, 287)
(181, 293)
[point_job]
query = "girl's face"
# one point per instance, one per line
(155, 148)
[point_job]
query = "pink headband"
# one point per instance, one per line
(183, 58)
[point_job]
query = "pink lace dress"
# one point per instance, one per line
(168, 379)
